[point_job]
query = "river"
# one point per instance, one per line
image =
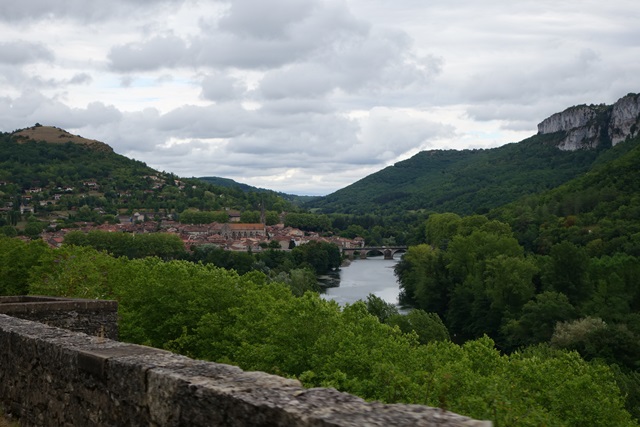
(362, 277)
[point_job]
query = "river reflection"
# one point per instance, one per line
(363, 277)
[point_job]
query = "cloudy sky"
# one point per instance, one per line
(307, 96)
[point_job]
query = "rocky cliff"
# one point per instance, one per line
(590, 126)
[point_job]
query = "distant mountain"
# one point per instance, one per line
(475, 181)
(230, 183)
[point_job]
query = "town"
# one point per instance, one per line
(54, 212)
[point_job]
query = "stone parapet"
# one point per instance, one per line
(56, 377)
(93, 317)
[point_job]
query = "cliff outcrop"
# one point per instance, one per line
(591, 126)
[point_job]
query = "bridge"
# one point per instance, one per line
(387, 251)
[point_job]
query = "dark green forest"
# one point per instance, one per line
(226, 182)
(464, 182)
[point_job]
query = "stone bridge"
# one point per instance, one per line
(387, 251)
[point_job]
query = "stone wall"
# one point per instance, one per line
(93, 317)
(55, 377)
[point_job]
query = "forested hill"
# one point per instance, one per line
(230, 183)
(464, 182)
(41, 163)
(598, 210)
(475, 181)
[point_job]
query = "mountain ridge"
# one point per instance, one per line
(476, 181)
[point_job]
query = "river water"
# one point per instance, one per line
(362, 277)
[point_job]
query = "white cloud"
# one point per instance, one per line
(220, 87)
(157, 52)
(82, 10)
(22, 52)
(265, 20)
(307, 95)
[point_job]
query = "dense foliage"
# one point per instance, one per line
(317, 257)
(464, 182)
(216, 314)
(162, 245)
(598, 211)
(478, 278)
(32, 163)
(226, 182)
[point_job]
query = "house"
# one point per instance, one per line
(234, 216)
(284, 241)
(195, 230)
(237, 231)
(55, 242)
(29, 209)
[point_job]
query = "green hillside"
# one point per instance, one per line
(230, 183)
(599, 210)
(464, 182)
(75, 179)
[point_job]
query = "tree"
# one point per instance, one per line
(308, 222)
(567, 272)
(509, 283)
(471, 260)
(18, 263)
(538, 319)
(272, 218)
(380, 308)
(423, 279)
(427, 326)
(300, 281)
(34, 228)
(163, 245)
(8, 231)
(250, 217)
(321, 256)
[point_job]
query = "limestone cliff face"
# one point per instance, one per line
(625, 119)
(588, 126)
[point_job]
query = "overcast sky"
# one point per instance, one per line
(307, 96)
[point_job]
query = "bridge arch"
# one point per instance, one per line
(387, 251)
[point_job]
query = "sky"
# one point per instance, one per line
(307, 96)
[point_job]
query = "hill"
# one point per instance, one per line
(61, 177)
(598, 210)
(230, 183)
(475, 181)
(54, 135)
